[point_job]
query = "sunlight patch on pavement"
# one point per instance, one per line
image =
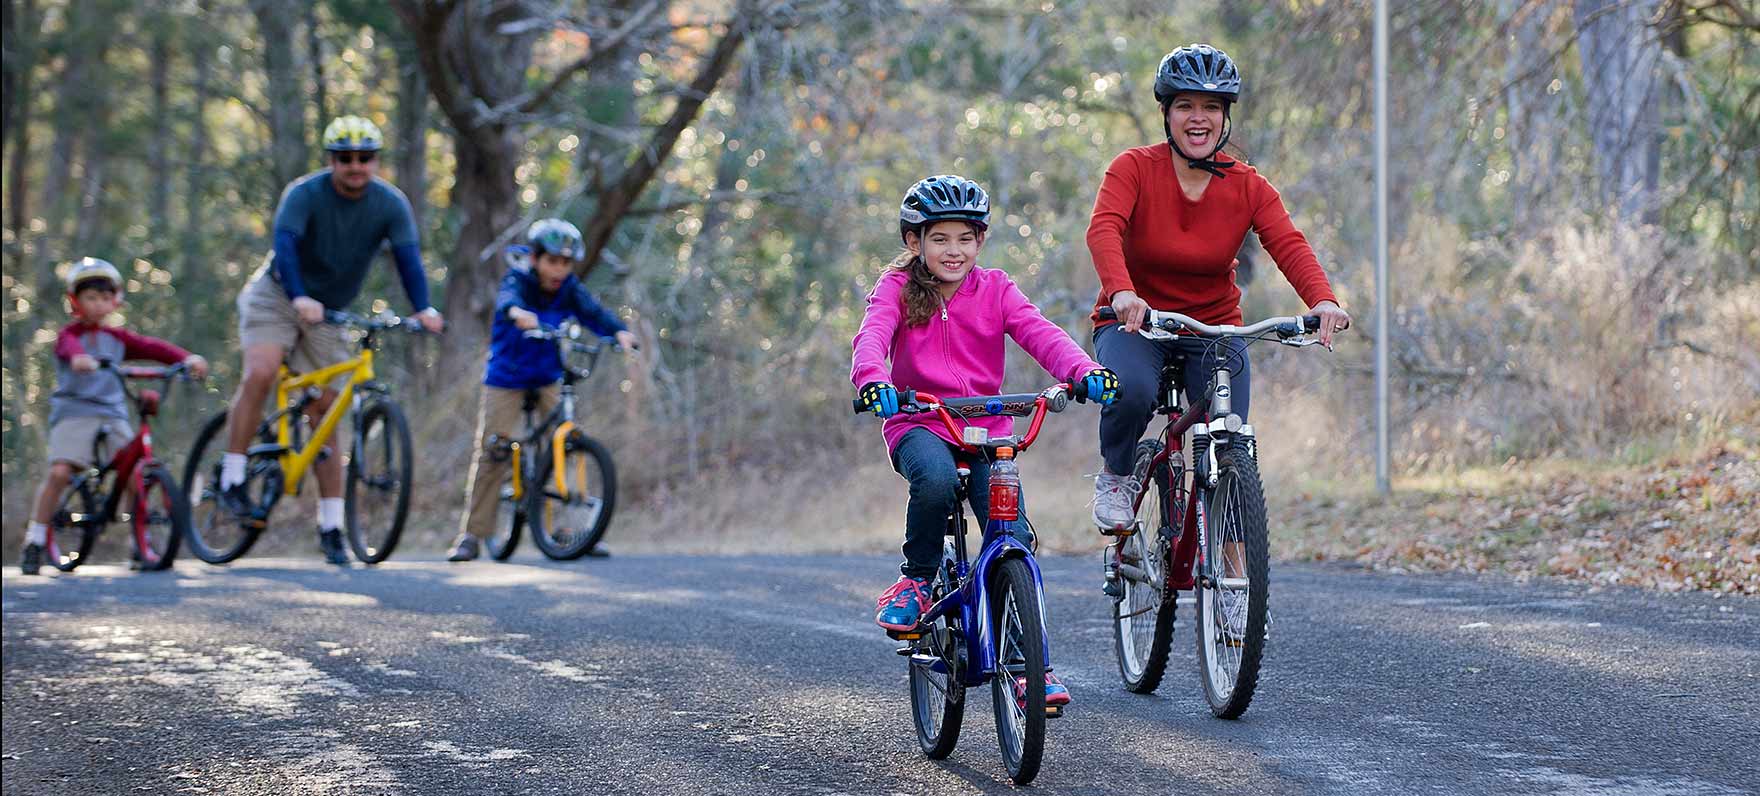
(322, 599)
(583, 673)
(474, 757)
(504, 575)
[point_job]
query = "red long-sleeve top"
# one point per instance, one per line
(1146, 235)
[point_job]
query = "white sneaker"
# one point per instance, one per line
(1113, 496)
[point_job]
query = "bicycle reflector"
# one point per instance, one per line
(975, 435)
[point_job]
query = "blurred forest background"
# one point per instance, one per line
(1575, 218)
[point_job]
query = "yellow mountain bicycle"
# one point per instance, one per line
(378, 469)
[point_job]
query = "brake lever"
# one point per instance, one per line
(1301, 342)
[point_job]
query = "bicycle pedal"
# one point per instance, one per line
(1121, 533)
(906, 651)
(905, 635)
(1054, 711)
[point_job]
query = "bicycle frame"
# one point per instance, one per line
(127, 463)
(295, 462)
(971, 599)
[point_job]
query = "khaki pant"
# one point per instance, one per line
(71, 439)
(266, 315)
(498, 413)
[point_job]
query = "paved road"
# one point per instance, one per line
(647, 675)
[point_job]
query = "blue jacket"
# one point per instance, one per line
(516, 363)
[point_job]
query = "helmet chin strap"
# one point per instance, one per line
(1208, 162)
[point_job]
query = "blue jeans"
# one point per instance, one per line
(1138, 362)
(927, 462)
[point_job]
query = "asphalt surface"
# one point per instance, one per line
(655, 675)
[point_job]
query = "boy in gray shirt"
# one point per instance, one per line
(85, 402)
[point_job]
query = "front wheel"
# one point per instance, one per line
(161, 519)
(1018, 687)
(74, 528)
(379, 477)
(569, 518)
(1233, 586)
(1142, 614)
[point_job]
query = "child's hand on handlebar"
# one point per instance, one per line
(1099, 385)
(84, 363)
(197, 364)
(524, 319)
(627, 339)
(879, 397)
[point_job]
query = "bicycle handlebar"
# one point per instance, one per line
(568, 335)
(1173, 323)
(1035, 405)
(380, 322)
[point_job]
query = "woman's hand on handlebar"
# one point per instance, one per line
(1131, 310)
(1333, 319)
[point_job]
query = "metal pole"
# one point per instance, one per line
(1382, 483)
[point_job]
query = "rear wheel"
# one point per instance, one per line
(510, 521)
(1020, 666)
(379, 477)
(1233, 586)
(568, 521)
(214, 535)
(1142, 617)
(74, 528)
(160, 519)
(938, 696)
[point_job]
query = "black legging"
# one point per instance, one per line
(1138, 361)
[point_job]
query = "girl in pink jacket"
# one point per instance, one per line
(941, 321)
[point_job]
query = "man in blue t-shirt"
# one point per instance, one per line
(328, 227)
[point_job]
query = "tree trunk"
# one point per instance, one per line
(18, 91)
(1620, 54)
(196, 277)
(287, 118)
(315, 44)
(411, 154)
(158, 156)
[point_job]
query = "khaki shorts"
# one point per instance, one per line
(265, 315)
(71, 439)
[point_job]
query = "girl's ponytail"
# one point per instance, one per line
(920, 297)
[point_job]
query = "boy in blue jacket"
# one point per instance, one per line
(540, 290)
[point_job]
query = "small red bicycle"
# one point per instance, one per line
(132, 486)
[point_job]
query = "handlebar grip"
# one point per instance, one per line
(856, 404)
(1311, 322)
(1108, 314)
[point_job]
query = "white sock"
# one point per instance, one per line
(329, 514)
(231, 469)
(36, 533)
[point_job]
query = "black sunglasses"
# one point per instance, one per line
(354, 157)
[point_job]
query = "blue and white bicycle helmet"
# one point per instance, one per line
(944, 197)
(555, 236)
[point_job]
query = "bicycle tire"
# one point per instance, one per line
(1020, 652)
(938, 710)
(380, 474)
(160, 519)
(1143, 617)
(565, 528)
(76, 498)
(210, 530)
(501, 544)
(1237, 515)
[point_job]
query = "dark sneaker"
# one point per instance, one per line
(464, 548)
(1055, 693)
(900, 605)
(30, 559)
(236, 500)
(330, 542)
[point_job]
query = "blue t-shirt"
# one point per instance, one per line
(336, 237)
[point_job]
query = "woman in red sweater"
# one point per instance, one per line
(1164, 233)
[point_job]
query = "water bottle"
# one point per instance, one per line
(1005, 487)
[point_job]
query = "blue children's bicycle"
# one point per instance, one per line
(987, 623)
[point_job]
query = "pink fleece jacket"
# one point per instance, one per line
(959, 352)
